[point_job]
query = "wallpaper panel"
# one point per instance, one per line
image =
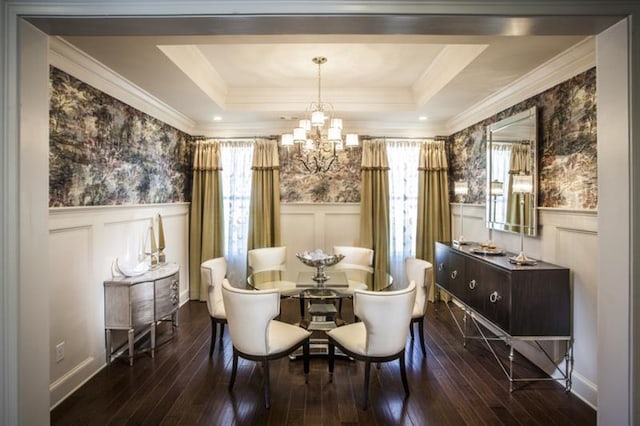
(340, 184)
(567, 146)
(104, 152)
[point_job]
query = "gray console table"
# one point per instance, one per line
(137, 304)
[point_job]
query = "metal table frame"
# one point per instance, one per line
(470, 315)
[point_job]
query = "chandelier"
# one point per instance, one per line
(317, 145)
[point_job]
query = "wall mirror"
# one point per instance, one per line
(512, 156)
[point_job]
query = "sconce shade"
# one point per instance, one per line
(299, 135)
(352, 139)
(522, 184)
(497, 188)
(286, 139)
(305, 124)
(460, 188)
(333, 134)
(317, 118)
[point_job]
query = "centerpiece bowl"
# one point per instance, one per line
(319, 260)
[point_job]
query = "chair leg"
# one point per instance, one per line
(265, 368)
(421, 329)
(367, 371)
(213, 336)
(403, 374)
(411, 330)
(221, 331)
(301, 308)
(305, 360)
(234, 369)
(332, 354)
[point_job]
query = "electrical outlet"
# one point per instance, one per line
(59, 351)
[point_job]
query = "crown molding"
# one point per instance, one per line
(73, 61)
(573, 61)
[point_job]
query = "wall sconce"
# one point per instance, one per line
(460, 189)
(522, 184)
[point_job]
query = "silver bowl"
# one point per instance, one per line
(319, 260)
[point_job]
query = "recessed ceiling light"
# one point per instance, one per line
(422, 118)
(217, 118)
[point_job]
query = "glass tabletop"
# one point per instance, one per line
(338, 280)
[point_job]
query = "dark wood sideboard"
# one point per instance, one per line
(523, 302)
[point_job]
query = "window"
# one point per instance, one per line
(403, 203)
(236, 158)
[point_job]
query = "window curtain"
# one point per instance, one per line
(434, 223)
(206, 240)
(519, 163)
(403, 203)
(236, 157)
(264, 217)
(374, 207)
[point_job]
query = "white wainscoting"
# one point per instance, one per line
(307, 226)
(568, 238)
(83, 242)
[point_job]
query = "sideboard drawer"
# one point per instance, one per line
(167, 296)
(522, 301)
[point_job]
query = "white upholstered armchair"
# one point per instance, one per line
(272, 259)
(255, 335)
(381, 334)
(213, 272)
(420, 271)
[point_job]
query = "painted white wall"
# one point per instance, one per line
(34, 290)
(308, 226)
(614, 182)
(567, 238)
(82, 245)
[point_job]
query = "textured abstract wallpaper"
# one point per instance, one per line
(104, 152)
(340, 184)
(567, 146)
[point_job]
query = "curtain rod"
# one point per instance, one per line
(435, 138)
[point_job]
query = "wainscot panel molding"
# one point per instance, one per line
(309, 226)
(568, 238)
(83, 243)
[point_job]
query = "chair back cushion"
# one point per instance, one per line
(268, 258)
(212, 272)
(249, 313)
(386, 316)
(420, 271)
(355, 258)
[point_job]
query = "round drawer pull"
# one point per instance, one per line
(473, 284)
(494, 297)
(454, 274)
(440, 266)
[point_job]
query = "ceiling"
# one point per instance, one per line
(381, 82)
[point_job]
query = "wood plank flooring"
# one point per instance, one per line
(182, 386)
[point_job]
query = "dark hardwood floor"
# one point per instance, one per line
(453, 386)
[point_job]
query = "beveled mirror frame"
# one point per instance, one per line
(502, 212)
